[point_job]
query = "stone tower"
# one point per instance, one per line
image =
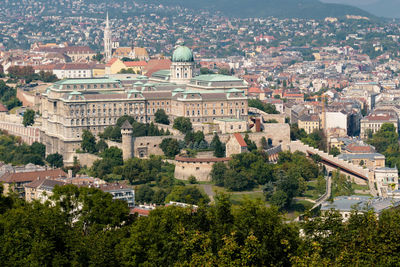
(127, 141)
(182, 65)
(107, 41)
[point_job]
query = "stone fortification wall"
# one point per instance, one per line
(168, 127)
(28, 99)
(198, 167)
(86, 159)
(13, 125)
(280, 118)
(299, 146)
(112, 143)
(145, 146)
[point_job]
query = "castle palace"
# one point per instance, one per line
(72, 105)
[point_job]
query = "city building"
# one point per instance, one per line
(235, 145)
(70, 106)
(309, 123)
(345, 205)
(16, 181)
(373, 122)
(120, 192)
(41, 189)
(387, 181)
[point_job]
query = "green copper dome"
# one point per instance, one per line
(182, 54)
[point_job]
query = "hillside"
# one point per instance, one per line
(232, 8)
(265, 8)
(382, 8)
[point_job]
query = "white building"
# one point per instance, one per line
(73, 70)
(336, 120)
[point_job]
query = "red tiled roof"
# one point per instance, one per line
(135, 63)
(140, 211)
(178, 158)
(30, 176)
(254, 90)
(112, 61)
(155, 65)
(3, 108)
(75, 66)
(240, 139)
(360, 148)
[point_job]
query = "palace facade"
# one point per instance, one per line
(70, 106)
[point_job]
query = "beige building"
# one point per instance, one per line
(17, 181)
(387, 181)
(235, 145)
(373, 122)
(115, 65)
(231, 125)
(41, 189)
(71, 106)
(309, 123)
(200, 168)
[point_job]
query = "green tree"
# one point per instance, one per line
(55, 160)
(192, 179)
(101, 145)
(39, 149)
(266, 107)
(187, 194)
(28, 118)
(170, 147)
(236, 181)
(224, 71)
(251, 146)
(334, 151)
(218, 146)
(161, 117)
(144, 194)
(385, 137)
(183, 124)
(218, 173)
(88, 142)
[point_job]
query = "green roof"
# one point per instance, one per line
(182, 54)
(229, 119)
(87, 81)
(162, 73)
(138, 83)
(75, 93)
(234, 90)
(216, 78)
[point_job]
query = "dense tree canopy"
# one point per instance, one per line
(86, 227)
(170, 147)
(88, 142)
(161, 117)
(266, 107)
(386, 142)
(28, 118)
(183, 124)
(8, 96)
(55, 160)
(12, 150)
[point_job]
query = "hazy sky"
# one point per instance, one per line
(353, 2)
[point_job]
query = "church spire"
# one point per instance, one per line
(107, 40)
(107, 22)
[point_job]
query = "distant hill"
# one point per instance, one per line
(265, 8)
(382, 8)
